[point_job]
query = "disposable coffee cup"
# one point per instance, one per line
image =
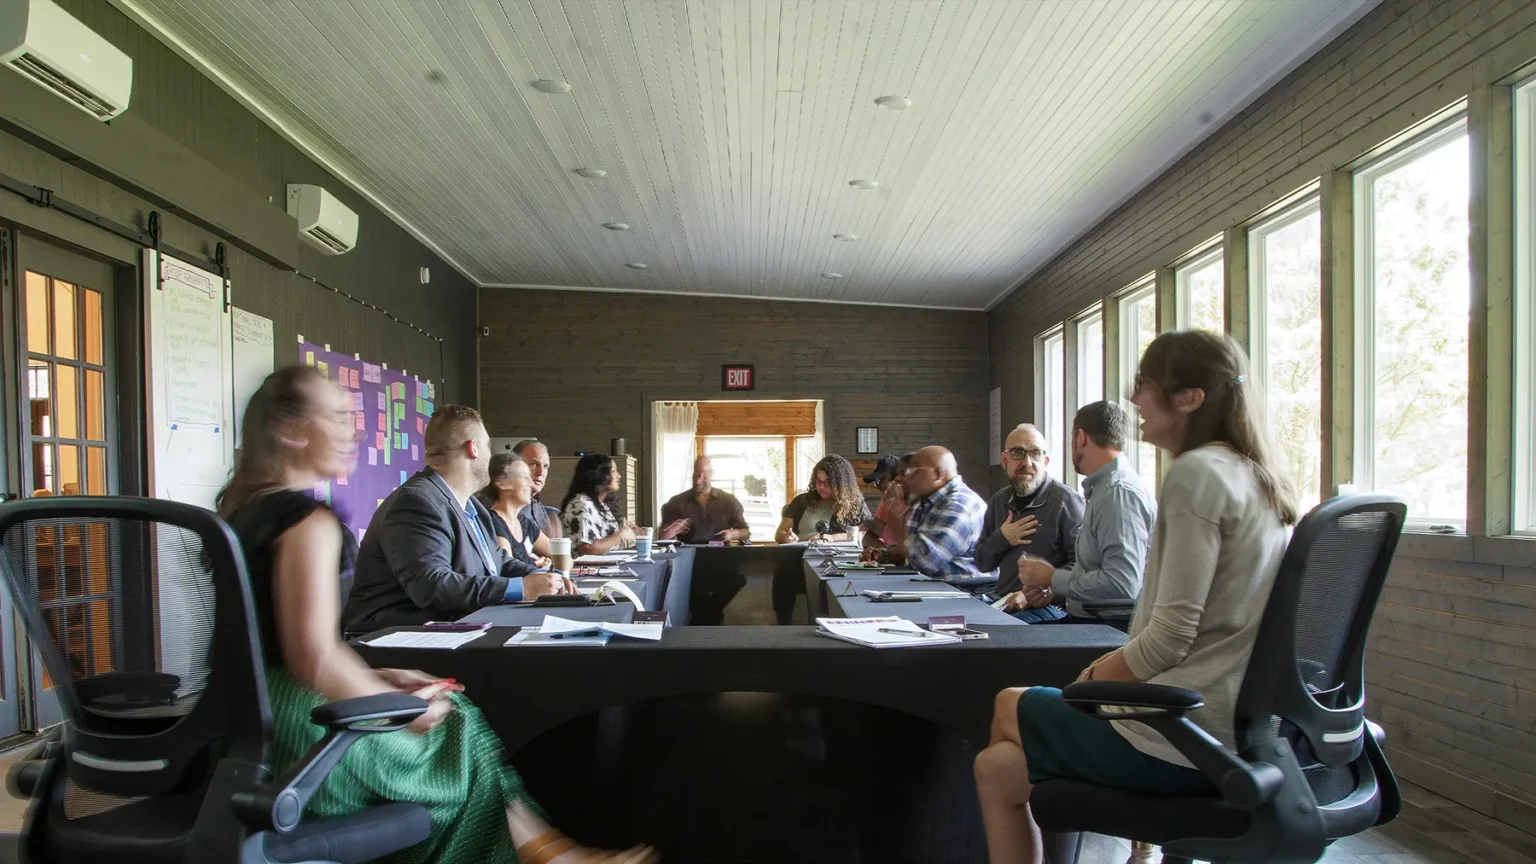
(560, 553)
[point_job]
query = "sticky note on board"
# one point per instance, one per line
(356, 379)
(309, 358)
(378, 440)
(386, 455)
(357, 401)
(402, 476)
(381, 401)
(360, 422)
(414, 457)
(341, 480)
(325, 368)
(383, 422)
(373, 456)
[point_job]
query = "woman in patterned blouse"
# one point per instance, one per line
(592, 525)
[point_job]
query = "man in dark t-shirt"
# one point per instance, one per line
(703, 513)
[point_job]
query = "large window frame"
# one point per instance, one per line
(1258, 312)
(1184, 312)
(1523, 511)
(1088, 359)
(1142, 456)
(1051, 394)
(1364, 360)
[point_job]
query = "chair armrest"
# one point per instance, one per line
(1130, 694)
(381, 706)
(26, 776)
(1244, 785)
(279, 806)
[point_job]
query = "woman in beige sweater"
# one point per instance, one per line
(1223, 521)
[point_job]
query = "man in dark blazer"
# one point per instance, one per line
(431, 551)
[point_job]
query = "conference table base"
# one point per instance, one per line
(757, 743)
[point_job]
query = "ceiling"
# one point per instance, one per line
(730, 129)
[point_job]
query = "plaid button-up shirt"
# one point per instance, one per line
(942, 532)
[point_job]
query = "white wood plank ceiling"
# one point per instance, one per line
(730, 129)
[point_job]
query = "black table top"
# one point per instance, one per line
(525, 691)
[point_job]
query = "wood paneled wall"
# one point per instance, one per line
(1450, 668)
(577, 369)
(184, 128)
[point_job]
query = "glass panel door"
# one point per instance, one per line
(68, 438)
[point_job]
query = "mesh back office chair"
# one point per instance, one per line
(141, 612)
(1309, 767)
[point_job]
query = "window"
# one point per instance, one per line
(1050, 395)
(1200, 287)
(1525, 309)
(1412, 302)
(1090, 358)
(1285, 254)
(1138, 327)
(752, 469)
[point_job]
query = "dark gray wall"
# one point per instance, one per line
(217, 172)
(578, 368)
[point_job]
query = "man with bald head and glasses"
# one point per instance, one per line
(1035, 514)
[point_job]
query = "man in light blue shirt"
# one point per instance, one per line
(1116, 532)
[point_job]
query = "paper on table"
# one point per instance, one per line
(417, 639)
(872, 632)
(555, 624)
(605, 558)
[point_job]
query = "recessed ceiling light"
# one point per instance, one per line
(636, 265)
(593, 173)
(863, 183)
(846, 238)
(547, 85)
(831, 275)
(894, 103)
(616, 226)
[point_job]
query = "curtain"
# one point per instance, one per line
(674, 425)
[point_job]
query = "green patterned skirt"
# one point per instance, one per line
(458, 771)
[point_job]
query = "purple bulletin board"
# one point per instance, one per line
(391, 410)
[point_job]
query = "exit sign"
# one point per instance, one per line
(736, 377)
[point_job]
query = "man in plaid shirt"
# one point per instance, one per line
(946, 517)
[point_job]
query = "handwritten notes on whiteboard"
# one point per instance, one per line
(253, 359)
(194, 308)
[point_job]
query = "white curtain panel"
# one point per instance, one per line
(808, 451)
(674, 426)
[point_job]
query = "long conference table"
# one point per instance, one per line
(577, 716)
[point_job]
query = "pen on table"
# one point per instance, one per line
(922, 633)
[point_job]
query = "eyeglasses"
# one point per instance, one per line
(1019, 454)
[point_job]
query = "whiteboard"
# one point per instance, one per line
(253, 359)
(189, 375)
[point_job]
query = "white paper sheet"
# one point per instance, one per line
(554, 624)
(417, 639)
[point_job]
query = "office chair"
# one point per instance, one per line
(1309, 768)
(141, 612)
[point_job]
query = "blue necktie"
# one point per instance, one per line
(474, 526)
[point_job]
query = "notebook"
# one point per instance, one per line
(888, 632)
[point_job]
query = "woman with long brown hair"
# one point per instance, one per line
(832, 496)
(1224, 513)
(298, 432)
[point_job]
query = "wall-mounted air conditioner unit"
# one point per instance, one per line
(324, 222)
(41, 41)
